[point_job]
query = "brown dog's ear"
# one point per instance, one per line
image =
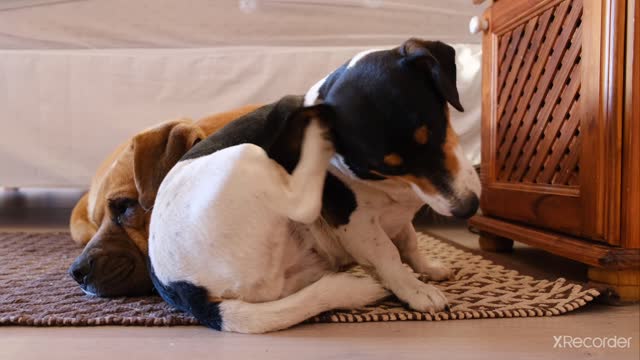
(156, 151)
(82, 230)
(440, 60)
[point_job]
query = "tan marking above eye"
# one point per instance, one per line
(421, 135)
(393, 159)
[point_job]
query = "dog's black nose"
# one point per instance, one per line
(80, 269)
(467, 207)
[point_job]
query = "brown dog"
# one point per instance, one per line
(112, 219)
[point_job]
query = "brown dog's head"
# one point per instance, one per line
(112, 219)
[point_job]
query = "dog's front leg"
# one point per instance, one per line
(407, 243)
(369, 245)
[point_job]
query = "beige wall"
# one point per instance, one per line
(79, 24)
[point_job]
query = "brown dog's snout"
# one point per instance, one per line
(81, 269)
(467, 207)
(111, 266)
(100, 267)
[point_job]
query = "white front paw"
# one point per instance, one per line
(434, 270)
(438, 272)
(424, 297)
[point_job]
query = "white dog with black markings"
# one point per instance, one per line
(251, 228)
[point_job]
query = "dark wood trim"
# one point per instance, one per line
(518, 12)
(534, 208)
(569, 191)
(623, 284)
(631, 134)
(489, 67)
(593, 133)
(612, 96)
(493, 243)
(581, 250)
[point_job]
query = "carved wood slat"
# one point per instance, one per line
(502, 50)
(529, 153)
(568, 174)
(518, 60)
(549, 135)
(512, 122)
(530, 150)
(531, 127)
(550, 126)
(560, 150)
(525, 76)
(510, 51)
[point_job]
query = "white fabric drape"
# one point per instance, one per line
(99, 24)
(73, 84)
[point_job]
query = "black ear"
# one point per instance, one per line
(440, 60)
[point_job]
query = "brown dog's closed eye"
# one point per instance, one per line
(122, 209)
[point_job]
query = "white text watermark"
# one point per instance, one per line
(591, 342)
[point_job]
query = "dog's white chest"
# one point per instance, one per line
(374, 207)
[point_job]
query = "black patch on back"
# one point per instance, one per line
(338, 201)
(270, 127)
(189, 298)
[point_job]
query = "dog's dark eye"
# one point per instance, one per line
(121, 209)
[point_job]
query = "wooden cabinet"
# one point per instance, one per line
(561, 133)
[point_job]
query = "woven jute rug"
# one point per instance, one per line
(36, 290)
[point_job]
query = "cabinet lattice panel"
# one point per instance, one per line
(538, 87)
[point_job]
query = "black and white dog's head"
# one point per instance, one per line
(393, 122)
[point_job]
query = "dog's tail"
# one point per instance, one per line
(334, 291)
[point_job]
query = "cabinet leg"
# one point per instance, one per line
(494, 243)
(624, 283)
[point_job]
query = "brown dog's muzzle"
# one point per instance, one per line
(111, 265)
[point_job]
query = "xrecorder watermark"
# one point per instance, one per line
(591, 342)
